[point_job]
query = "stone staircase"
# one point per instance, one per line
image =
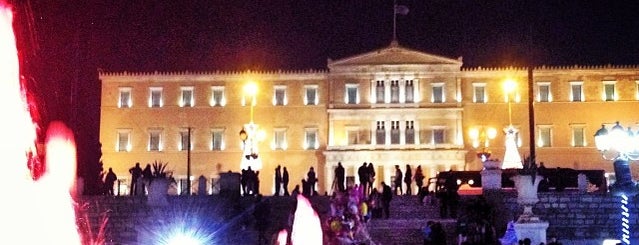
(407, 217)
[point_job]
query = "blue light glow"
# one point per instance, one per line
(625, 217)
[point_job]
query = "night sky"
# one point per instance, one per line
(63, 43)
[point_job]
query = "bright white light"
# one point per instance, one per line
(183, 239)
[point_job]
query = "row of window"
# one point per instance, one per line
(609, 92)
(394, 91)
(156, 141)
(544, 136)
(218, 96)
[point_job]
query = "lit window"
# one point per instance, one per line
(578, 136)
(352, 94)
(394, 132)
(187, 99)
(394, 91)
(479, 93)
(410, 132)
(155, 140)
(380, 91)
(310, 95)
(217, 96)
(380, 133)
(352, 135)
(438, 93)
(155, 97)
(217, 139)
(435, 135)
(279, 139)
(409, 90)
(439, 136)
(185, 140)
(544, 137)
(609, 91)
(576, 91)
(124, 140)
(311, 140)
(125, 101)
(279, 96)
(543, 92)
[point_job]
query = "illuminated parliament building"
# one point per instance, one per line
(391, 106)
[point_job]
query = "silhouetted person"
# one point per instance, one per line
(136, 173)
(311, 179)
(296, 191)
(419, 177)
(109, 181)
(408, 179)
(285, 181)
(278, 179)
(147, 175)
(450, 198)
(387, 196)
(398, 180)
(371, 176)
(362, 173)
(340, 177)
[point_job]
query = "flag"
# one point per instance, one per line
(401, 9)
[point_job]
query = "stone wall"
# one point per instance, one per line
(572, 215)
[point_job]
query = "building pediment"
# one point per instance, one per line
(394, 55)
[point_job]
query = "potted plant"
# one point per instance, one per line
(526, 183)
(159, 186)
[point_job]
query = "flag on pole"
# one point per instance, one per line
(401, 9)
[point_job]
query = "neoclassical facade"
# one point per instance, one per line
(391, 106)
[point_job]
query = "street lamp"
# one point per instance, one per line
(481, 137)
(621, 146)
(250, 135)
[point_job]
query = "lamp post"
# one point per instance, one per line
(250, 135)
(481, 138)
(621, 146)
(511, 157)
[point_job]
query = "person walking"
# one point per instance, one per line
(312, 180)
(398, 181)
(136, 173)
(340, 177)
(408, 179)
(285, 181)
(387, 196)
(278, 180)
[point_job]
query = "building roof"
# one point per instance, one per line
(394, 54)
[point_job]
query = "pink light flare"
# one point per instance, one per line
(307, 228)
(35, 212)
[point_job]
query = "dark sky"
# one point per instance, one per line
(64, 42)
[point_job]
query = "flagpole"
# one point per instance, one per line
(394, 20)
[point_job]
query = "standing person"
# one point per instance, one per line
(340, 177)
(109, 181)
(451, 198)
(312, 180)
(362, 173)
(398, 181)
(387, 196)
(408, 179)
(419, 178)
(278, 179)
(147, 175)
(371, 176)
(285, 181)
(136, 173)
(244, 181)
